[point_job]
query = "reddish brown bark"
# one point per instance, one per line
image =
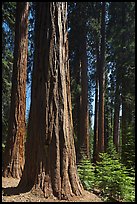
(102, 83)
(84, 117)
(116, 116)
(50, 165)
(76, 103)
(14, 151)
(95, 148)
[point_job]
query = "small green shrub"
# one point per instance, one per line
(86, 173)
(113, 179)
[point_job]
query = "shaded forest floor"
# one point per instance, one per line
(31, 197)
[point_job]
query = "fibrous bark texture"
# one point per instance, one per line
(83, 136)
(50, 164)
(14, 151)
(102, 83)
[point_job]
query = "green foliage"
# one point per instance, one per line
(86, 173)
(110, 176)
(8, 21)
(120, 36)
(113, 178)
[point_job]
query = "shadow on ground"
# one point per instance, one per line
(13, 191)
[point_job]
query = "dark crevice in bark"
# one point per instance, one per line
(50, 140)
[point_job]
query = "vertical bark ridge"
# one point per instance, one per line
(14, 152)
(50, 136)
(102, 83)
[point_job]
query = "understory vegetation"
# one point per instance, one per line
(109, 177)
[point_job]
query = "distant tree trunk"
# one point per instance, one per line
(125, 107)
(14, 151)
(116, 116)
(80, 110)
(50, 164)
(83, 136)
(76, 102)
(111, 118)
(102, 83)
(107, 113)
(124, 128)
(95, 148)
(106, 125)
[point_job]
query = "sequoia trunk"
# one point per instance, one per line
(84, 117)
(116, 114)
(14, 151)
(50, 164)
(76, 102)
(95, 149)
(102, 83)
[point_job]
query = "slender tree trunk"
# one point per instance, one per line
(95, 150)
(102, 82)
(77, 94)
(116, 116)
(84, 117)
(124, 128)
(81, 116)
(125, 109)
(50, 165)
(107, 113)
(14, 151)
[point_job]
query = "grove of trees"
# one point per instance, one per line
(79, 59)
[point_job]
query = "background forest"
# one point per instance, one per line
(101, 58)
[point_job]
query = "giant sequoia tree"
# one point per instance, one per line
(50, 140)
(14, 151)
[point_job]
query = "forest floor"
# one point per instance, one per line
(31, 197)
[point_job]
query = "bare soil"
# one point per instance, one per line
(10, 183)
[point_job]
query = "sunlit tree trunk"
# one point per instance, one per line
(50, 165)
(14, 151)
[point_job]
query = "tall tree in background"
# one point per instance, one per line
(128, 89)
(14, 150)
(83, 136)
(50, 141)
(116, 135)
(96, 125)
(96, 37)
(74, 55)
(101, 82)
(123, 60)
(78, 52)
